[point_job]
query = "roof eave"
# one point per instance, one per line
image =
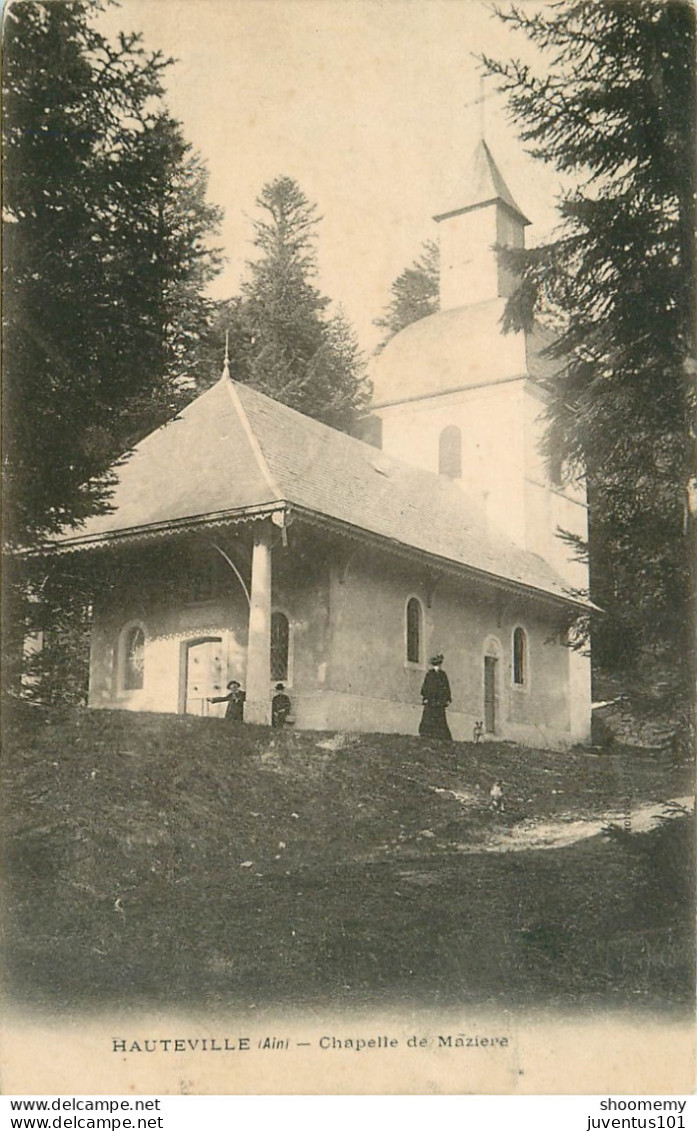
(161, 531)
(167, 529)
(515, 211)
(445, 564)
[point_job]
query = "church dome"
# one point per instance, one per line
(452, 350)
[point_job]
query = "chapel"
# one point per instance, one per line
(247, 541)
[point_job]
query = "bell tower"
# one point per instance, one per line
(481, 215)
(458, 396)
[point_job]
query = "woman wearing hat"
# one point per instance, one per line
(436, 696)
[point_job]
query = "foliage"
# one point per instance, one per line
(58, 670)
(105, 230)
(415, 294)
(613, 107)
(105, 258)
(282, 339)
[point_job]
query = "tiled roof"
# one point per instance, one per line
(234, 450)
(200, 463)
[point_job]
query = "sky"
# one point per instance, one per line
(366, 103)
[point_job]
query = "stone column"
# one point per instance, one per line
(257, 708)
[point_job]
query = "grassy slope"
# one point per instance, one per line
(182, 859)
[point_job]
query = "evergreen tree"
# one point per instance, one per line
(615, 108)
(415, 294)
(105, 257)
(283, 340)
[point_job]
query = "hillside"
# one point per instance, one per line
(167, 858)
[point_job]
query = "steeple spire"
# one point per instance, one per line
(226, 362)
(482, 184)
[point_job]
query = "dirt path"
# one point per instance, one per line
(533, 833)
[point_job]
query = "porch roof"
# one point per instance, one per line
(236, 454)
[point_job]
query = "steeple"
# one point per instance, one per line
(480, 215)
(482, 185)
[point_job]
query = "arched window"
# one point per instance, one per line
(414, 630)
(450, 452)
(280, 641)
(133, 662)
(519, 657)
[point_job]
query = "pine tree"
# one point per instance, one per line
(105, 257)
(615, 109)
(415, 294)
(284, 341)
(105, 234)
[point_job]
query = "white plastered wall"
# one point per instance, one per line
(371, 687)
(503, 471)
(167, 630)
(550, 507)
(470, 271)
(493, 457)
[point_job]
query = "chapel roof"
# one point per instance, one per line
(234, 452)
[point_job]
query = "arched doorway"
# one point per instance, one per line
(204, 675)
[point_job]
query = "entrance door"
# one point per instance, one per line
(204, 677)
(490, 694)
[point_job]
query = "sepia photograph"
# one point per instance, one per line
(349, 503)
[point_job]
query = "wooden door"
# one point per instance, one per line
(490, 694)
(205, 677)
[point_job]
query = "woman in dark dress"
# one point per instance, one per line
(436, 696)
